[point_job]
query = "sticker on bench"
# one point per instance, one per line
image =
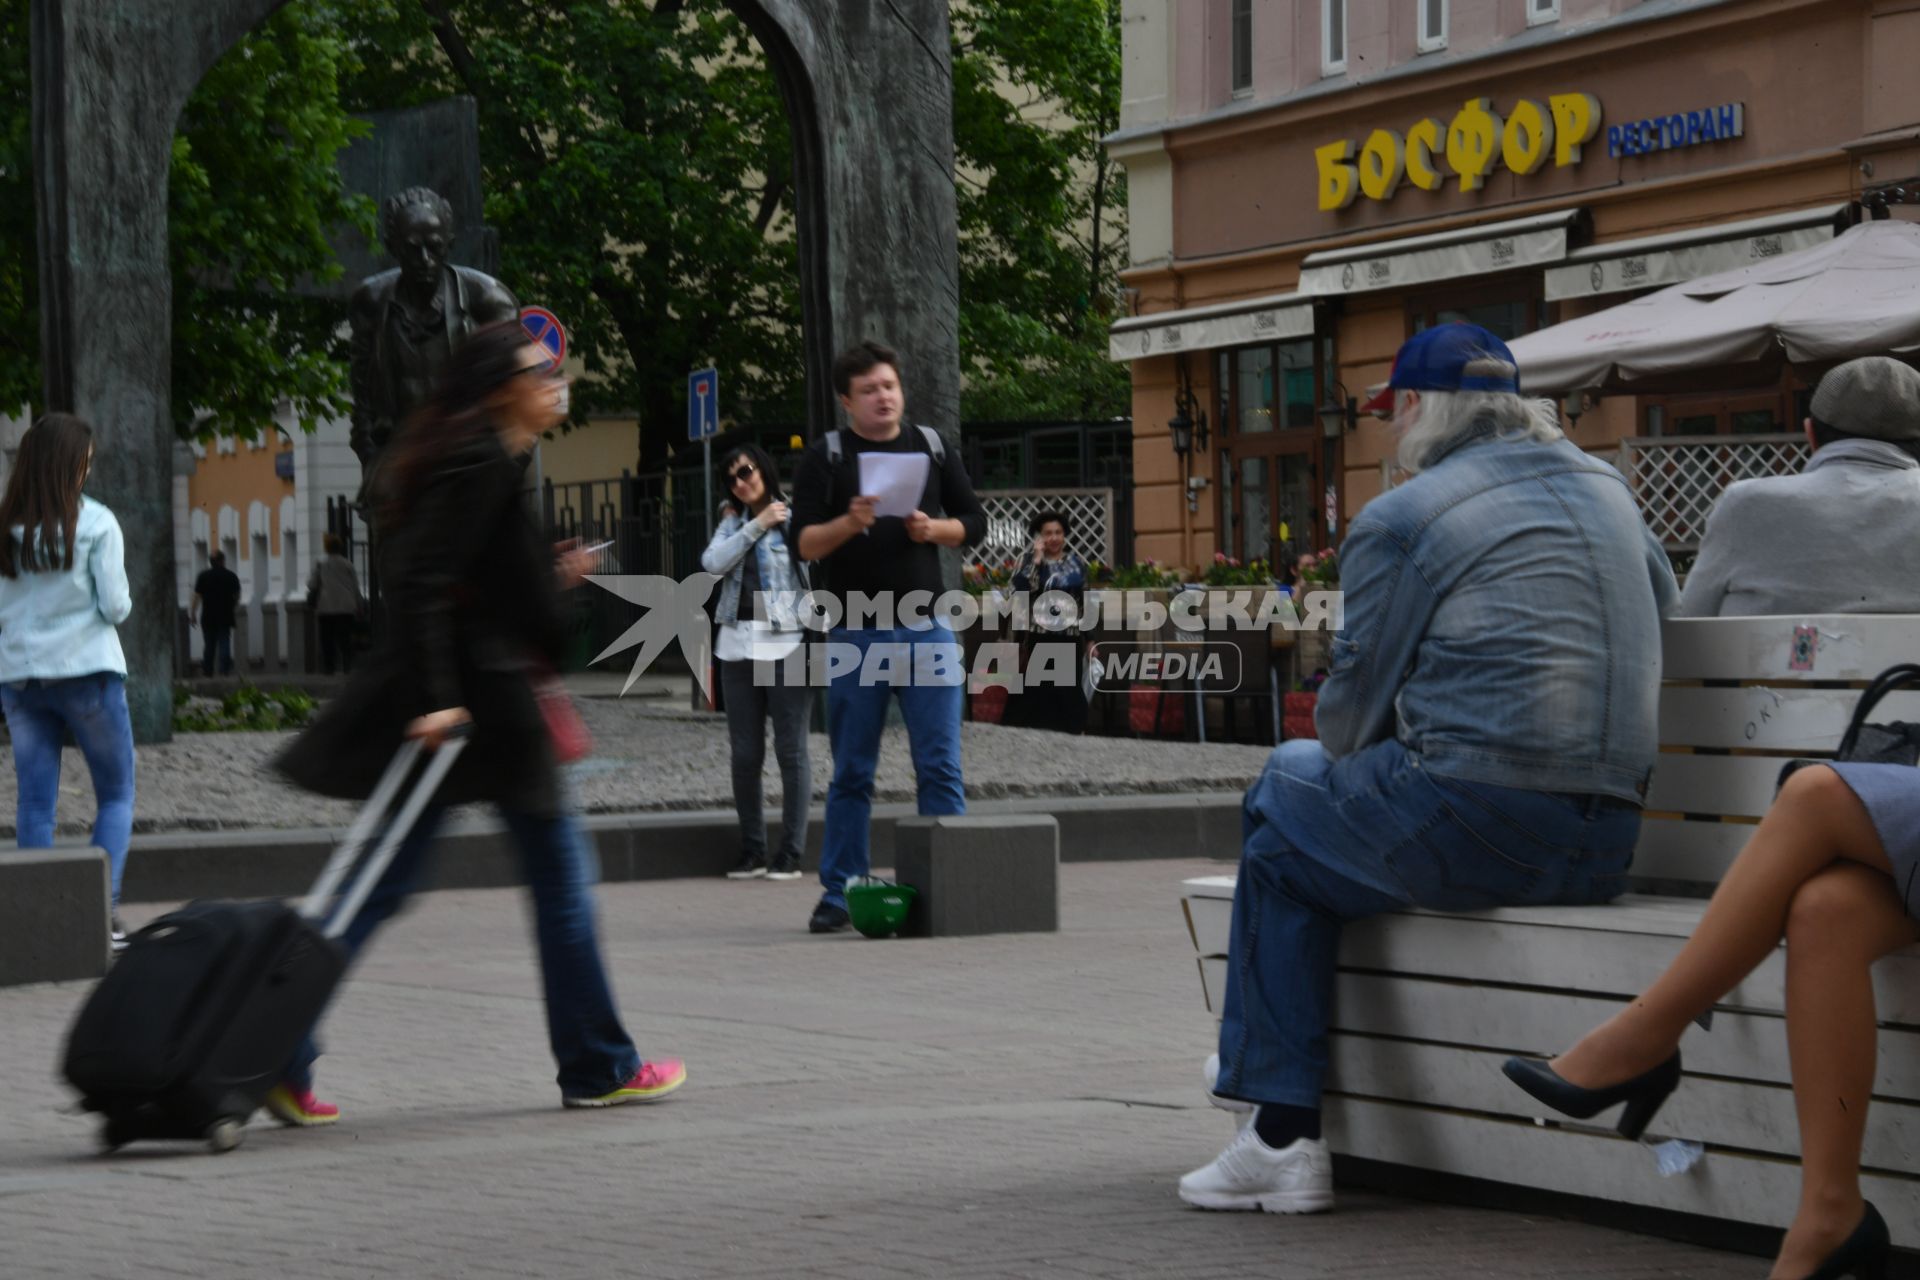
(1806, 646)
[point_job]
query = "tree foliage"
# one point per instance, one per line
(252, 200)
(637, 166)
(1036, 87)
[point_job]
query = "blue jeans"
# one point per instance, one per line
(923, 669)
(1327, 842)
(39, 714)
(593, 1049)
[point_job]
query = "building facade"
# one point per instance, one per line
(1312, 181)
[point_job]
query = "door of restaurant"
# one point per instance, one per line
(1274, 464)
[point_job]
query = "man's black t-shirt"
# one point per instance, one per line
(883, 558)
(219, 592)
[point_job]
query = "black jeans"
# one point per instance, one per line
(217, 639)
(748, 706)
(336, 642)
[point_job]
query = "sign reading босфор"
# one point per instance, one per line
(1479, 139)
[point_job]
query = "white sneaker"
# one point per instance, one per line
(1210, 1072)
(1249, 1174)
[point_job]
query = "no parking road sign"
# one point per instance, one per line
(703, 404)
(545, 329)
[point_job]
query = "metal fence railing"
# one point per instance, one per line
(1089, 512)
(1677, 479)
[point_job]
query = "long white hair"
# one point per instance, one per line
(1444, 416)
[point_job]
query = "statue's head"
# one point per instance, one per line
(417, 227)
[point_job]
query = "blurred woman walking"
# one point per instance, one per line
(472, 591)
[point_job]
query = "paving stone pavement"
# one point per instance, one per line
(1011, 1106)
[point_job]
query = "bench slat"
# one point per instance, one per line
(1738, 1188)
(1741, 1046)
(1768, 718)
(1851, 647)
(1738, 786)
(1675, 849)
(1732, 1113)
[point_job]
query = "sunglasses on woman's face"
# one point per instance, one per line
(740, 473)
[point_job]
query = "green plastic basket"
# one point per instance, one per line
(877, 907)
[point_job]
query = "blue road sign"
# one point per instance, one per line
(545, 329)
(703, 404)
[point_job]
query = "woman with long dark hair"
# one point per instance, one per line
(63, 589)
(758, 616)
(472, 593)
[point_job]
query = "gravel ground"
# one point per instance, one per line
(647, 756)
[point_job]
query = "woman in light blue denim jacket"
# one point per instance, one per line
(758, 616)
(63, 588)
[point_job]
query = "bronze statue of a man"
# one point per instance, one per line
(408, 320)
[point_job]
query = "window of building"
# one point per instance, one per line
(1333, 37)
(1242, 44)
(1507, 309)
(1539, 11)
(1433, 25)
(1272, 463)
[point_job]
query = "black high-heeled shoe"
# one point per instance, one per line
(1862, 1255)
(1643, 1094)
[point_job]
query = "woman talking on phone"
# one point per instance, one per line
(759, 628)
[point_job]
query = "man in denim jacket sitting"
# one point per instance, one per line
(1486, 733)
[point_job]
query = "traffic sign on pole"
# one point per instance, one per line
(547, 333)
(703, 404)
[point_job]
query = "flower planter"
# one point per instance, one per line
(989, 704)
(1155, 712)
(1297, 716)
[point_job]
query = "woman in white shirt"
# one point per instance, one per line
(63, 588)
(760, 631)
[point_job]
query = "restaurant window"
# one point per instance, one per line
(1433, 25)
(1273, 462)
(1758, 412)
(1508, 310)
(1333, 37)
(1539, 11)
(1241, 42)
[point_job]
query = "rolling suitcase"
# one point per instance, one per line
(199, 1018)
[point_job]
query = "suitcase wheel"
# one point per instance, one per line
(224, 1135)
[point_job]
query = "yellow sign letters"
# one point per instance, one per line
(1468, 148)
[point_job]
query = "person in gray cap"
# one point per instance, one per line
(1843, 536)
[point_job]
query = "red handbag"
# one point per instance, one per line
(565, 729)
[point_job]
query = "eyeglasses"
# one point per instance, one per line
(741, 472)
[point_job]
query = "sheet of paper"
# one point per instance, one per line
(897, 480)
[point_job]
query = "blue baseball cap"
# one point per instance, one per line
(1455, 357)
(1450, 357)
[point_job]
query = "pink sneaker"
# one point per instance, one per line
(298, 1108)
(653, 1081)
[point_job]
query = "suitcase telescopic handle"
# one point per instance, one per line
(378, 806)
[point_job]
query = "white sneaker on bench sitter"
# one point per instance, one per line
(1210, 1072)
(1249, 1174)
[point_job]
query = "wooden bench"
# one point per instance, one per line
(1429, 1005)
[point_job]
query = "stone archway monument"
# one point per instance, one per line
(868, 90)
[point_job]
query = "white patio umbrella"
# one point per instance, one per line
(1856, 295)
